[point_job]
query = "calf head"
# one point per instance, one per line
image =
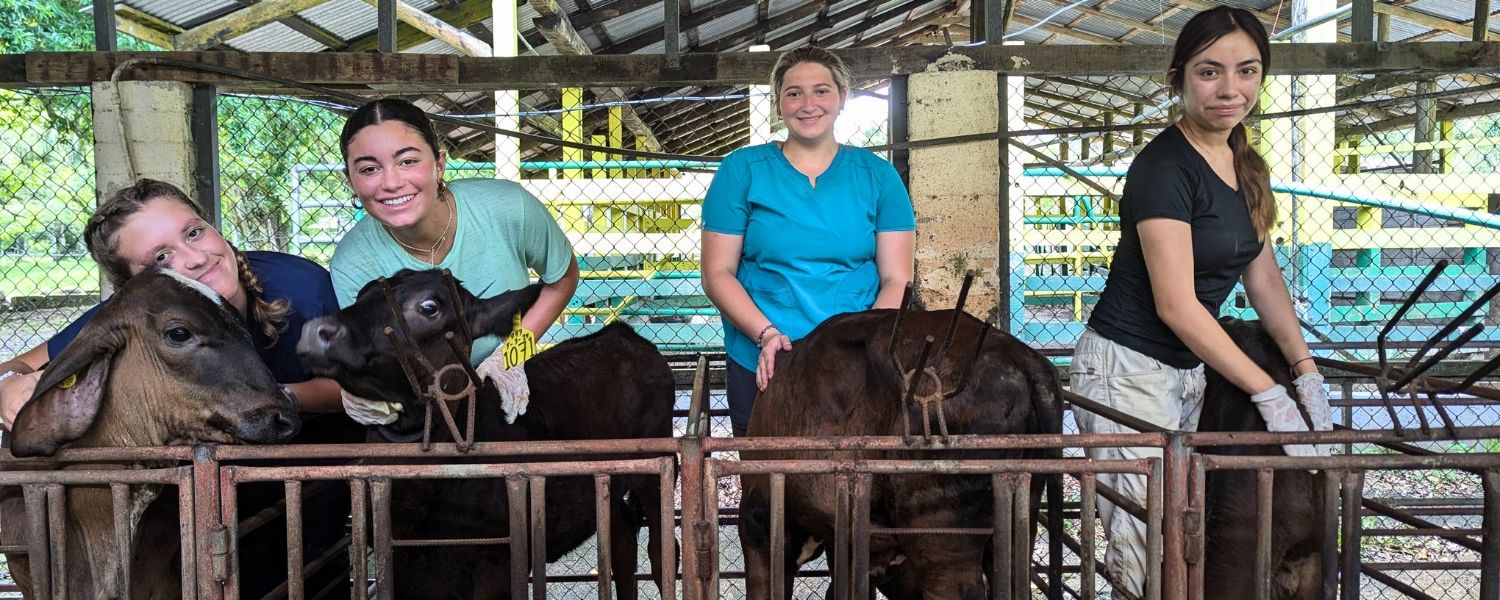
(353, 346)
(165, 362)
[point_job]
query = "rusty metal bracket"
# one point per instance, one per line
(433, 394)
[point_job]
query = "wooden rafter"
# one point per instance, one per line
(652, 35)
(239, 22)
(554, 25)
(462, 14)
(437, 29)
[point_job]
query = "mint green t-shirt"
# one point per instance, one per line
(502, 231)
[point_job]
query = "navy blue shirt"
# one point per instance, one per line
(303, 283)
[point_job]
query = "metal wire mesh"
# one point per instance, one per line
(47, 177)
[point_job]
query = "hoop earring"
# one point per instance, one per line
(354, 203)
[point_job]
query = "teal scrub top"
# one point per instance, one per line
(808, 253)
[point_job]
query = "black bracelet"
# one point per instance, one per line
(761, 337)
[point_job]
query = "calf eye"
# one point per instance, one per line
(179, 335)
(427, 308)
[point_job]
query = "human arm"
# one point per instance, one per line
(893, 260)
(720, 264)
(317, 395)
(16, 390)
(1266, 287)
(551, 302)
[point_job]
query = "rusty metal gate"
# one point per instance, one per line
(209, 477)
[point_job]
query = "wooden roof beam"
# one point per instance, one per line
(555, 26)
(238, 23)
(463, 14)
(437, 29)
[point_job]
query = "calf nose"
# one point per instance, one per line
(287, 424)
(319, 334)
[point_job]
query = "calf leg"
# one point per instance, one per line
(646, 502)
(624, 531)
(755, 545)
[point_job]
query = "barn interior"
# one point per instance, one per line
(1012, 123)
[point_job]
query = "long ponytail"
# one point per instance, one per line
(1254, 177)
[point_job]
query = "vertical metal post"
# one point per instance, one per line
(1020, 541)
(294, 542)
(1154, 519)
(104, 26)
(861, 570)
(1264, 480)
(778, 537)
(1362, 21)
(515, 493)
(708, 565)
(602, 539)
(987, 19)
(1489, 559)
(385, 28)
(1002, 128)
(1087, 513)
(838, 560)
(1330, 525)
(57, 534)
(1001, 543)
(385, 563)
(1174, 475)
(226, 564)
(359, 524)
(1194, 527)
(205, 136)
(898, 111)
(206, 507)
(1426, 127)
(39, 550)
(1354, 491)
(187, 528)
(119, 505)
(694, 576)
(668, 549)
(1481, 20)
(671, 27)
(539, 537)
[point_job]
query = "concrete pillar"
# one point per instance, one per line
(960, 207)
(142, 129)
(507, 102)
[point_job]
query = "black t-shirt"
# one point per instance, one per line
(1170, 179)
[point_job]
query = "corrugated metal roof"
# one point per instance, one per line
(722, 27)
(180, 12)
(348, 19)
(275, 37)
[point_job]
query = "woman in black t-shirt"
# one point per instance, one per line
(1193, 220)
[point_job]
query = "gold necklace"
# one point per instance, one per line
(431, 252)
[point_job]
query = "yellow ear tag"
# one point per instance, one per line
(519, 346)
(71, 381)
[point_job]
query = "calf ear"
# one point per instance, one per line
(495, 315)
(65, 402)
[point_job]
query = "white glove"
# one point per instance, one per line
(369, 412)
(1280, 413)
(515, 392)
(1314, 397)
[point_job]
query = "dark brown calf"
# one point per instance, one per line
(613, 384)
(1229, 517)
(841, 380)
(165, 362)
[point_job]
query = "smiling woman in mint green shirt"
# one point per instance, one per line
(798, 231)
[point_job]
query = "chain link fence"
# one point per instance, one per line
(1371, 194)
